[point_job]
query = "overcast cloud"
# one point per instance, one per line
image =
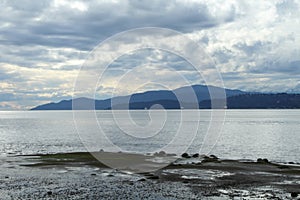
(255, 44)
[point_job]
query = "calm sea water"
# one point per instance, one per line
(245, 134)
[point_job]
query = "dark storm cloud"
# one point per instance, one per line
(159, 59)
(66, 27)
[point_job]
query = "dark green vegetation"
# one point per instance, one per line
(61, 159)
(260, 101)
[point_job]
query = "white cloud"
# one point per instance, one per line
(27, 85)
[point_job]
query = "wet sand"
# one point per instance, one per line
(81, 176)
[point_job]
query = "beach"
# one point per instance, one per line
(79, 175)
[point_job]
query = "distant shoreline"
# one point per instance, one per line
(168, 109)
(243, 101)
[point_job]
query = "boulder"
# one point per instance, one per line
(294, 194)
(196, 155)
(185, 155)
(260, 160)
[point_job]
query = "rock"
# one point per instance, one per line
(291, 163)
(265, 160)
(49, 192)
(294, 194)
(93, 174)
(101, 150)
(259, 160)
(185, 155)
(212, 158)
(73, 192)
(110, 175)
(162, 153)
(196, 155)
(6, 177)
(171, 154)
(209, 160)
(153, 177)
(142, 179)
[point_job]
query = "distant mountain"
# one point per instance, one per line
(242, 101)
(169, 99)
(236, 99)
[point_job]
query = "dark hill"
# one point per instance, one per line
(236, 99)
(168, 97)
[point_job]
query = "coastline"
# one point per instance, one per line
(79, 175)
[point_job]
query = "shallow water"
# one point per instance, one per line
(246, 134)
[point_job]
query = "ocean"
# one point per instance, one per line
(241, 134)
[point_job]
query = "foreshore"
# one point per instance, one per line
(80, 175)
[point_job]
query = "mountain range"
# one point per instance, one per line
(188, 97)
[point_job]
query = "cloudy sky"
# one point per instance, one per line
(255, 45)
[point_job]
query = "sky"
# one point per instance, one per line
(255, 45)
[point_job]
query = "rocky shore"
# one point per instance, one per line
(81, 176)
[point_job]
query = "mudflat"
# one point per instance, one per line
(80, 175)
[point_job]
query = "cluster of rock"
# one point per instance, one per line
(264, 160)
(162, 153)
(211, 158)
